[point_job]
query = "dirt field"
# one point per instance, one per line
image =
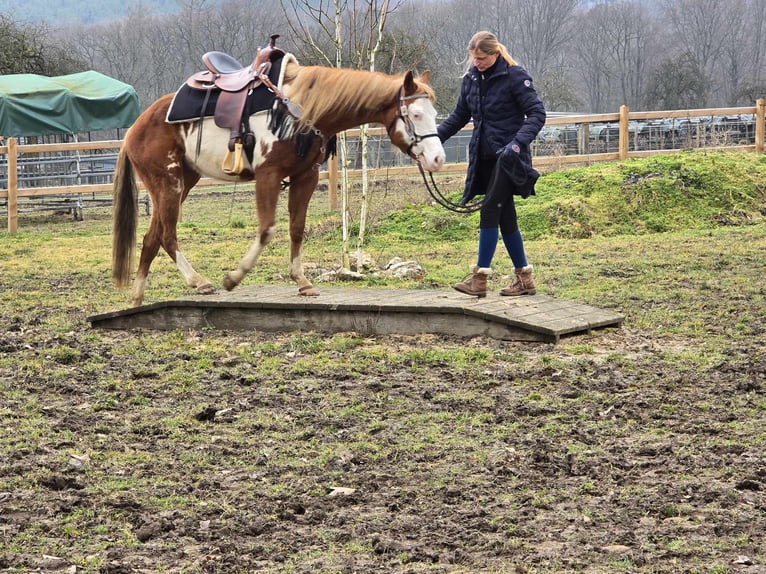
(633, 450)
(602, 454)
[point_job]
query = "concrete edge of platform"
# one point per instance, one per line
(538, 318)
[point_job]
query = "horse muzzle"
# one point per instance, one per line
(428, 153)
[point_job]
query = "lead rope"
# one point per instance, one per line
(231, 204)
(433, 189)
(442, 200)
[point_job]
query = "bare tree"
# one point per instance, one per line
(166, 69)
(138, 50)
(629, 34)
(676, 83)
(247, 29)
(353, 34)
(498, 17)
(316, 30)
(541, 30)
(120, 49)
(30, 49)
(755, 32)
(753, 48)
(703, 29)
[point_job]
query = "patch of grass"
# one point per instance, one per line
(692, 190)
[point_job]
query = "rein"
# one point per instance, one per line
(442, 200)
(433, 189)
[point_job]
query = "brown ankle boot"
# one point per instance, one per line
(475, 283)
(524, 284)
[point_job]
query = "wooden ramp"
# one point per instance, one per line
(368, 311)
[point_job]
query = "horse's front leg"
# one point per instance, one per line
(301, 190)
(267, 188)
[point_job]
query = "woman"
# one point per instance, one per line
(507, 114)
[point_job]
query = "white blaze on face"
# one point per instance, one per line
(429, 151)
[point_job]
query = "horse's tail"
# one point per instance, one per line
(124, 220)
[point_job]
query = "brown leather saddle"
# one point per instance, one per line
(234, 83)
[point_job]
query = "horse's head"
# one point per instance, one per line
(413, 124)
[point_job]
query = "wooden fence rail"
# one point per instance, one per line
(576, 143)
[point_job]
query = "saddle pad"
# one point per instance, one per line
(188, 102)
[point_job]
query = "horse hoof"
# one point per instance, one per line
(308, 291)
(228, 282)
(206, 289)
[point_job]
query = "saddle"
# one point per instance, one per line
(234, 83)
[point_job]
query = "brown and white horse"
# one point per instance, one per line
(170, 158)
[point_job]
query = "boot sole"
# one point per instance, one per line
(471, 293)
(525, 292)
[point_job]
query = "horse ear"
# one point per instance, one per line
(425, 77)
(409, 82)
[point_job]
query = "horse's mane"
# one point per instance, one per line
(322, 91)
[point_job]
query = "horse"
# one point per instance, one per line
(170, 158)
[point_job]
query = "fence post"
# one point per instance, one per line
(13, 187)
(760, 128)
(332, 182)
(624, 138)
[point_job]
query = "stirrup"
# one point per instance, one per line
(232, 162)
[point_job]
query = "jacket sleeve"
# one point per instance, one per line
(459, 117)
(530, 103)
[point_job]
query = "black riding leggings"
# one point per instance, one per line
(498, 208)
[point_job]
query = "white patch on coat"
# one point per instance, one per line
(215, 144)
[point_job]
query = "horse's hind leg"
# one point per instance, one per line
(149, 249)
(167, 195)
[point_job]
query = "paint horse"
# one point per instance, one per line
(311, 105)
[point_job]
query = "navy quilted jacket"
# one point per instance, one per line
(508, 110)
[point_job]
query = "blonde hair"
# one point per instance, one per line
(487, 43)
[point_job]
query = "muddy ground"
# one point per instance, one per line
(605, 453)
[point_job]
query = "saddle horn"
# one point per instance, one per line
(264, 54)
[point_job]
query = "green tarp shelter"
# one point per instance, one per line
(32, 105)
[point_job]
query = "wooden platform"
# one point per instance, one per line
(368, 311)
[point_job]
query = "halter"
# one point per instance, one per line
(415, 138)
(404, 115)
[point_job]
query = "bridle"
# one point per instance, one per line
(415, 139)
(403, 113)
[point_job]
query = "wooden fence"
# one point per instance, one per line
(566, 140)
